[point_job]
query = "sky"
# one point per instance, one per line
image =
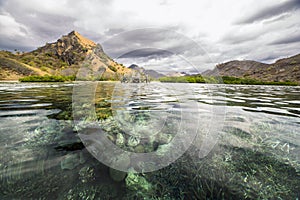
(165, 35)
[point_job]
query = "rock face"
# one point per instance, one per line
(63, 57)
(71, 48)
(287, 69)
(70, 161)
(149, 72)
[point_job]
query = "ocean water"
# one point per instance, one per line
(185, 141)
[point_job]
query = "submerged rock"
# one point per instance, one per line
(81, 158)
(139, 149)
(120, 141)
(117, 175)
(70, 161)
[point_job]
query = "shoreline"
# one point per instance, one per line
(42, 82)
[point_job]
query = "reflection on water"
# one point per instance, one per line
(256, 156)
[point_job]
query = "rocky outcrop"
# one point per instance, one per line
(71, 48)
(287, 69)
(149, 72)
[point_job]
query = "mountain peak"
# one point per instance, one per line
(134, 66)
(71, 48)
(73, 32)
(85, 42)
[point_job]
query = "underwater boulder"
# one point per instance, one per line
(139, 149)
(70, 161)
(117, 175)
(120, 141)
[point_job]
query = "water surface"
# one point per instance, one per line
(248, 142)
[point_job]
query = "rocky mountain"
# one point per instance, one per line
(135, 67)
(73, 52)
(177, 74)
(287, 69)
(149, 72)
(64, 57)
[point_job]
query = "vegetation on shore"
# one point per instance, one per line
(47, 78)
(182, 79)
(59, 78)
(222, 79)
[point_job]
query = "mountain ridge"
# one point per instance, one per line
(73, 51)
(285, 69)
(64, 57)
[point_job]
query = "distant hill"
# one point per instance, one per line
(177, 74)
(63, 57)
(149, 72)
(287, 69)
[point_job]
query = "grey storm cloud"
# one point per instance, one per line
(271, 11)
(13, 44)
(149, 53)
(291, 39)
(151, 42)
(39, 27)
(235, 38)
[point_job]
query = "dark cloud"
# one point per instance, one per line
(12, 44)
(151, 41)
(37, 27)
(2, 2)
(47, 27)
(130, 41)
(148, 52)
(272, 11)
(96, 37)
(288, 40)
(145, 36)
(269, 58)
(236, 38)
